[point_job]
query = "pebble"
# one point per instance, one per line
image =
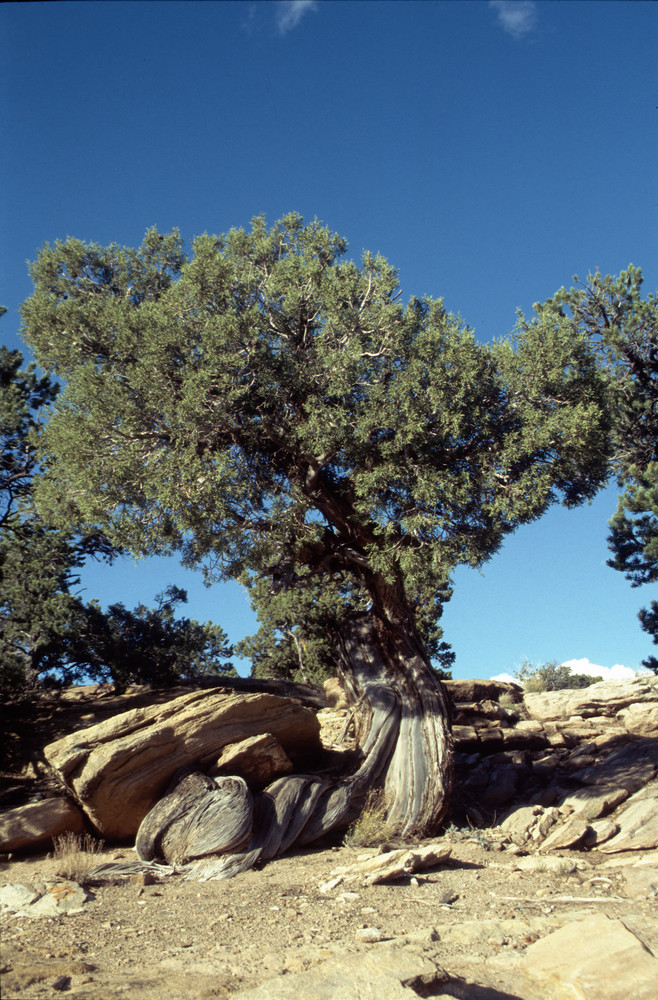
(369, 935)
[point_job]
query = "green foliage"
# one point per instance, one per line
(296, 639)
(23, 395)
(299, 627)
(150, 645)
(624, 328)
(47, 633)
(268, 408)
(38, 612)
(38, 563)
(551, 676)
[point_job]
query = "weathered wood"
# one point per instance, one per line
(198, 816)
(215, 829)
(405, 746)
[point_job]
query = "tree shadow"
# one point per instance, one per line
(460, 989)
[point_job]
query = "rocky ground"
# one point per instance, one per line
(463, 930)
(513, 913)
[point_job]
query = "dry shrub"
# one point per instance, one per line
(76, 855)
(371, 829)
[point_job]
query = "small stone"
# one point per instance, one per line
(332, 884)
(15, 896)
(369, 935)
(143, 878)
(61, 983)
(568, 834)
(553, 863)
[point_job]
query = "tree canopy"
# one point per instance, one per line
(39, 563)
(623, 328)
(267, 405)
(47, 631)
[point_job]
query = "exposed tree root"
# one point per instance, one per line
(215, 829)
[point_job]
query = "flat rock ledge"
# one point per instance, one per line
(560, 770)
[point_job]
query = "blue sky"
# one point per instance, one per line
(489, 150)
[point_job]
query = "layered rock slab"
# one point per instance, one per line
(36, 824)
(119, 769)
(606, 698)
(596, 958)
(387, 973)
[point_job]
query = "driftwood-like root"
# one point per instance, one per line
(198, 816)
(219, 830)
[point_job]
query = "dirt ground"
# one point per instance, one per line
(214, 939)
(474, 916)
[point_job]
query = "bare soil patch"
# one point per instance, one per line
(214, 939)
(474, 916)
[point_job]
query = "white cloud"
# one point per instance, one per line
(290, 13)
(517, 17)
(583, 666)
(616, 673)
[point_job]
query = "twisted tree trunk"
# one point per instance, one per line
(403, 726)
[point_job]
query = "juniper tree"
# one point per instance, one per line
(623, 327)
(39, 563)
(268, 406)
(47, 632)
(299, 625)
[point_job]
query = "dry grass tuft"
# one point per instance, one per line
(371, 829)
(77, 854)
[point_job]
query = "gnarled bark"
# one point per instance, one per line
(403, 721)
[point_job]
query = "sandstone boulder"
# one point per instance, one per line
(630, 767)
(597, 958)
(640, 718)
(637, 822)
(596, 800)
(259, 760)
(606, 698)
(120, 768)
(37, 823)
(389, 973)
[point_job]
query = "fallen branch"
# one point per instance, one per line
(542, 900)
(390, 866)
